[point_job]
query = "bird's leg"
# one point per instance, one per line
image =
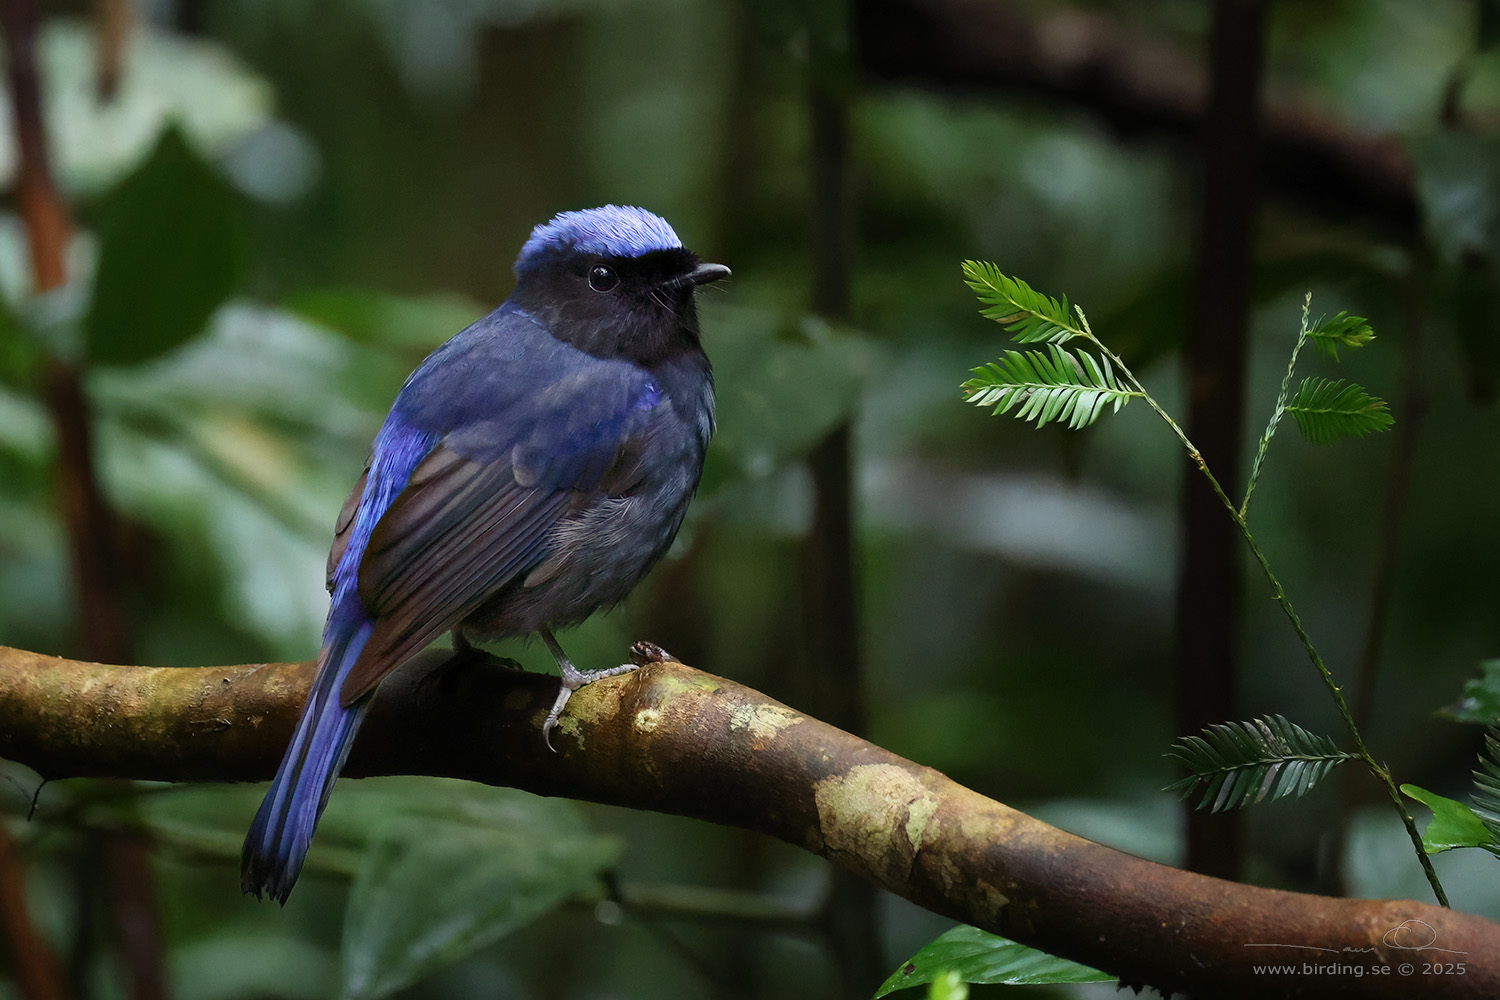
(572, 680)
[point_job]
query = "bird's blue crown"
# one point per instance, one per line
(609, 231)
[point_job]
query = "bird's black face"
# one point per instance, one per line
(637, 307)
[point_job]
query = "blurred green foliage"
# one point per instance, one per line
(291, 202)
(169, 255)
(977, 957)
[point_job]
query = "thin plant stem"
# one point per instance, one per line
(1280, 410)
(1278, 593)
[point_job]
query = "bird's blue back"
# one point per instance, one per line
(529, 472)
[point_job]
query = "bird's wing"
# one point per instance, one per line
(478, 510)
(343, 524)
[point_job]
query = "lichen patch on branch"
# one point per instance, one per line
(763, 720)
(872, 811)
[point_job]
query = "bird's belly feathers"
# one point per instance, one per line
(595, 557)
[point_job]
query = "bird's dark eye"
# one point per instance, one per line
(602, 278)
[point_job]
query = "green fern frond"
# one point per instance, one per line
(1326, 410)
(1054, 385)
(1341, 331)
(1026, 314)
(1238, 763)
(1486, 797)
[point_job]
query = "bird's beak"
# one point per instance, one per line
(704, 273)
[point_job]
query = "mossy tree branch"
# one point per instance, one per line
(672, 739)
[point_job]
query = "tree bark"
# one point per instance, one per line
(674, 740)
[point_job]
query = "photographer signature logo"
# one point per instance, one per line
(1409, 935)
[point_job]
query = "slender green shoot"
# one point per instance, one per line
(1036, 317)
(1325, 411)
(1279, 409)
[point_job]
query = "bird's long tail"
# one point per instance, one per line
(283, 827)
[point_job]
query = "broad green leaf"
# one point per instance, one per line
(1326, 410)
(1240, 763)
(1453, 823)
(268, 366)
(20, 354)
(200, 820)
(980, 957)
(431, 890)
(1026, 314)
(209, 817)
(170, 254)
(782, 385)
(440, 867)
(229, 959)
(1480, 701)
(948, 985)
(356, 812)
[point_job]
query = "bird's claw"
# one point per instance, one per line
(572, 680)
(645, 652)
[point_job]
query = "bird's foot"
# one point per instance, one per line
(644, 652)
(572, 680)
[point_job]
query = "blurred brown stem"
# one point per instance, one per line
(112, 20)
(86, 515)
(137, 925)
(831, 588)
(47, 224)
(37, 973)
(1208, 582)
(830, 583)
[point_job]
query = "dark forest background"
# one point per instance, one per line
(288, 204)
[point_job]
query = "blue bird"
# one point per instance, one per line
(530, 472)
